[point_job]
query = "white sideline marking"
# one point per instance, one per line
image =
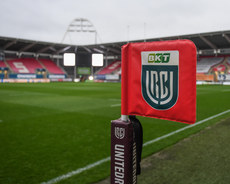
(115, 105)
(72, 173)
(184, 128)
(99, 162)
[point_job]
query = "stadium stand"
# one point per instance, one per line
(213, 69)
(119, 72)
(205, 64)
(228, 65)
(3, 70)
(112, 72)
(2, 64)
(51, 67)
(212, 50)
(207, 68)
(111, 68)
(219, 68)
(24, 65)
(222, 67)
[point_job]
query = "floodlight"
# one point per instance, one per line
(97, 59)
(69, 59)
(90, 77)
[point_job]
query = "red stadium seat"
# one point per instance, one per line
(111, 68)
(24, 65)
(2, 64)
(51, 66)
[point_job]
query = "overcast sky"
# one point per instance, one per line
(114, 20)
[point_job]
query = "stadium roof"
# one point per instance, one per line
(208, 44)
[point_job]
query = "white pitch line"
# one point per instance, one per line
(184, 128)
(72, 173)
(115, 105)
(90, 166)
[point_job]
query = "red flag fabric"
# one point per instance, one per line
(159, 80)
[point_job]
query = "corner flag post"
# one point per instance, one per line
(158, 81)
(122, 148)
(124, 118)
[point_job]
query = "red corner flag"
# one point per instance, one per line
(159, 80)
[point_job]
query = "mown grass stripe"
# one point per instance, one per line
(90, 166)
(115, 105)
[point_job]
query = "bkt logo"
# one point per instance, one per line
(160, 78)
(159, 58)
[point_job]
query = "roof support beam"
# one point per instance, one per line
(46, 49)
(208, 42)
(97, 50)
(33, 53)
(63, 50)
(27, 47)
(114, 50)
(117, 46)
(9, 44)
(226, 37)
(112, 57)
(53, 49)
(87, 49)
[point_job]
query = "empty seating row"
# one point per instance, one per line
(204, 64)
(2, 64)
(24, 65)
(51, 66)
(30, 65)
(111, 68)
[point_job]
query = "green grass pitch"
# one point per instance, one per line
(47, 130)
